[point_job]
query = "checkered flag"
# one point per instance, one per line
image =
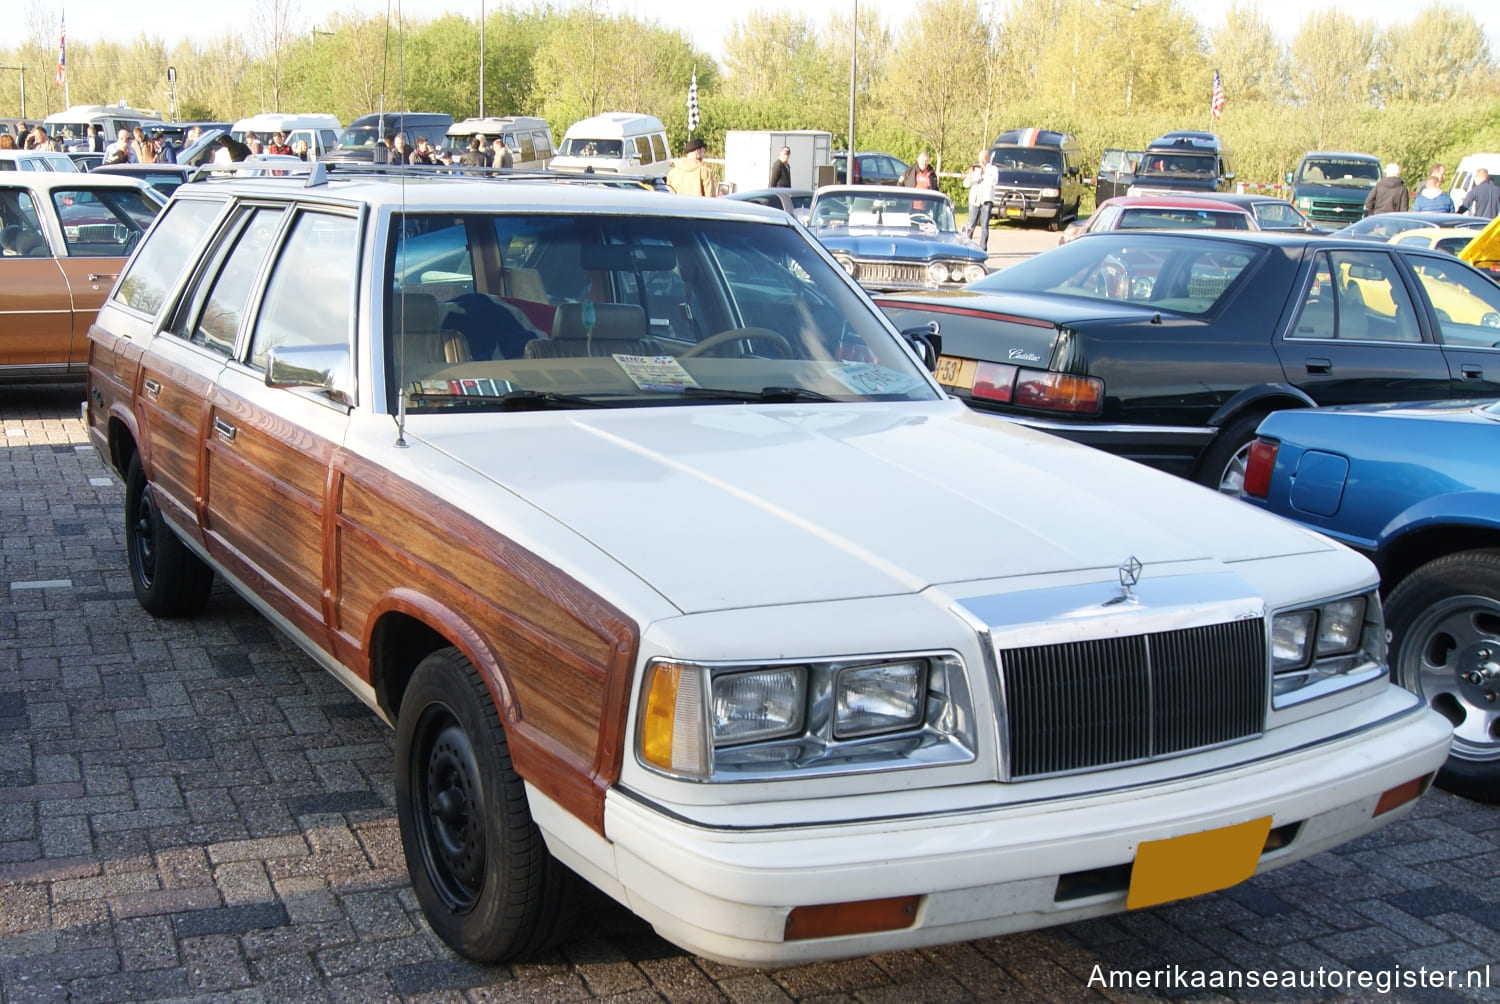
(692, 102)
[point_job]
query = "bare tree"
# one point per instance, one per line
(274, 28)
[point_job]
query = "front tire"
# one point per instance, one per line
(478, 863)
(1444, 620)
(168, 579)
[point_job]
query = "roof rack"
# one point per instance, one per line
(321, 172)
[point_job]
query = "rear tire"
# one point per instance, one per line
(168, 579)
(1444, 620)
(1222, 466)
(478, 863)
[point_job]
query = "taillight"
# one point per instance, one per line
(994, 381)
(1059, 392)
(1259, 466)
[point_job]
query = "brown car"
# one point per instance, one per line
(64, 237)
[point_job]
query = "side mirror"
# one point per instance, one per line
(927, 342)
(1289, 177)
(318, 367)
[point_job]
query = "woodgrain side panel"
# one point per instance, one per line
(264, 503)
(557, 656)
(171, 418)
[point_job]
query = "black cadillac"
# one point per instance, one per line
(1169, 348)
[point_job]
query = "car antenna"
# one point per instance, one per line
(400, 180)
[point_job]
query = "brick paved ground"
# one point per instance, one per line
(192, 810)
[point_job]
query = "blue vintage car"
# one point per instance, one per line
(1416, 487)
(891, 238)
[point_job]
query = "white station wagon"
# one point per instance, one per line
(677, 573)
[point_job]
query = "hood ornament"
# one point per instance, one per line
(1130, 574)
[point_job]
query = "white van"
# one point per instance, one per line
(615, 142)
(1463, 178)
(73, 124)
(320, 131)
(529, 139)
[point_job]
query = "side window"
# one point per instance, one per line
(528, 148)
(543, 140)
(1357, 295)
(643, 149)
(1467, 305)
(1103, 220)
(166, 255)
(102, 222)
(659, 146)
(309, 295)
(229, 292)
(20, 230)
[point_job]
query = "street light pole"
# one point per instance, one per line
(849, 163)
(481, 58)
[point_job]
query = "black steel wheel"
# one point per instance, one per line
(1444, 620)
(478, 863)
(168, 579)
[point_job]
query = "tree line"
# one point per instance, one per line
(947, 77)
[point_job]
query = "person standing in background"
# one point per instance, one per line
(781, 171)
(981, 180)
(1389, 194)
(1431, 198)
(1483, 199)
(689, 174)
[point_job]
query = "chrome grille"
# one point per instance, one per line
(886, 271)
(1087, 704)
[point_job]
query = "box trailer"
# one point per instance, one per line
(749, 154)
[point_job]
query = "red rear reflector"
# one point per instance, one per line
(830, 920)
(1059, 392)
(1259, 467)
(994, 381)
(1401, 794)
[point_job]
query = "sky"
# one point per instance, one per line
(705, 23)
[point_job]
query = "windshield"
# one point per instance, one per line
(1340, 173)
(360, 137)
(884, 211)
(1198, 165)
(591, 148)
(1164, 218)
(1180, 273)
(1027, 160)
(501, 310)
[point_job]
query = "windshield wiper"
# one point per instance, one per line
(769, 395)
(513, 400)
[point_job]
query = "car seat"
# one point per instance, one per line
(619, 328)
(416, 330)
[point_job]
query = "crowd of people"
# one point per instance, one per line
(1390, 194)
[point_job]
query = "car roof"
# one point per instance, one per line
(866, 191)
(1171, 202)
(542, 191)
(755, 193)
(48, 180)
(1244, 198)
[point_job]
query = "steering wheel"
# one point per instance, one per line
(737, 335)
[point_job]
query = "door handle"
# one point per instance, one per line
(96, 276)
(224, 429)
(1472, 371)
(1320, 365)
(153, 388)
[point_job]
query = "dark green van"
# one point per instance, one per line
(1331, 187)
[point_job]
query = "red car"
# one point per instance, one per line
(1161, 212)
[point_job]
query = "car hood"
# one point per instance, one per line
(733, 506)
(1346, 193)
(884, 243)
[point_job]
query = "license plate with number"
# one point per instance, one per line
(955, 372)
(1196, 863)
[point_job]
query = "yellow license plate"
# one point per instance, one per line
(1013, 212)
(1196, 863)
(955, 372)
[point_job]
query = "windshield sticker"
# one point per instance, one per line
(871, 378)
(656, 372)
(469, 386)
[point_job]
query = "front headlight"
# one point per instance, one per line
(848, 265)
(754, 722)
(870, 699)
(973, 271)
(1049, 193)
(1320, 649)
(938, 273)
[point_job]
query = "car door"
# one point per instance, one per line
(1465, 313)
(267, 450)
(1355, 335)
(36, 306)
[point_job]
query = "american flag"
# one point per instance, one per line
(692, 102)
(1216, 106)
(62, 52)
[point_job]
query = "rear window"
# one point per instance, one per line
(1180, 273)
(1182, 219)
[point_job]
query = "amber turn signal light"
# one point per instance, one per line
(1401, 794)
(830, 920)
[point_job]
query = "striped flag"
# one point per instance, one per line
(62, 52)
(692, 102)
(1216, 106)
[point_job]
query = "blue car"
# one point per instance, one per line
(1416, 487)
(891, 238)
